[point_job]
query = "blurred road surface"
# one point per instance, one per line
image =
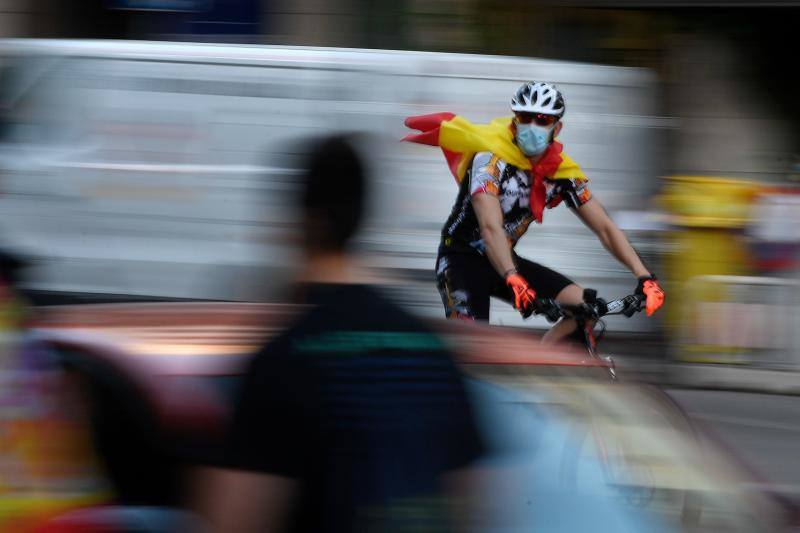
(763, 429)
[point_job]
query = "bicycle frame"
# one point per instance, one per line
(590, 341)
(589, 314)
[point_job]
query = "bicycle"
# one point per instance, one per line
(623, 464)
(589, 315)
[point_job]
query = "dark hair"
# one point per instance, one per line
(333, 194)
(11, 266)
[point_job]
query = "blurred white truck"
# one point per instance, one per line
(161, 169)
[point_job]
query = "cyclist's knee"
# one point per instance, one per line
(572, 294)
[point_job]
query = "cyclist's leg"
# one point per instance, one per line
(572, 294)
(551, 284)
(463, 281)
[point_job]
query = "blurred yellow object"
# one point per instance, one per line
(25, 513)
(706, 214)
(48, 463)
(709, 202)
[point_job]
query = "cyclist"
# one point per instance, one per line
(508, 172)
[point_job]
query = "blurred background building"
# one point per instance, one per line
(725, 66)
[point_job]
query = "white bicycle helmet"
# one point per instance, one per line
(538, 97)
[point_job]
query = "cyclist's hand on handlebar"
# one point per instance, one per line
(524, 295)
(654, 295)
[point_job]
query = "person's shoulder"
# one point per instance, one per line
(373, 297)
(343, 313)
(367, 306)
(488, 162)
(342, 305)
(487, 156)
(569, 169)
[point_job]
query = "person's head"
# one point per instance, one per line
(12, 301)
(538, 108)
(333, 195)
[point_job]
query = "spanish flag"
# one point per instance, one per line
(460, 140)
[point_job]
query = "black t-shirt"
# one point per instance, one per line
(365, 407)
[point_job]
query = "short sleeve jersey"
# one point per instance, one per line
(489, 174)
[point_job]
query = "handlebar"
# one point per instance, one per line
(593, 307)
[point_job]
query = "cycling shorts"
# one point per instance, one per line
(467, 281)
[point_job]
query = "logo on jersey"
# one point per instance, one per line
(514, 193)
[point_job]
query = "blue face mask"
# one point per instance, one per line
(532, 139)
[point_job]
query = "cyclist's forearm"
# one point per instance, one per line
(498, 249)
(596, 218)
(617, 243)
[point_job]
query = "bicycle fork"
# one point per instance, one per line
(591, 347)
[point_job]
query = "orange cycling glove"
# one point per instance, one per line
(649, 288)
(524, 295)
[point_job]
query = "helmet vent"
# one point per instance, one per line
(538, 97)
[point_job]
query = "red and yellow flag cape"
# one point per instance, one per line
(460, 140)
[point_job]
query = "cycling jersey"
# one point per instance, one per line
(488, 174)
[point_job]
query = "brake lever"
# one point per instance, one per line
(602, 307)
(633, 304)
(550, 310)
(553, 315)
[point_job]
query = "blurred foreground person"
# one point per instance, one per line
(351, 419)
(508, 172)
